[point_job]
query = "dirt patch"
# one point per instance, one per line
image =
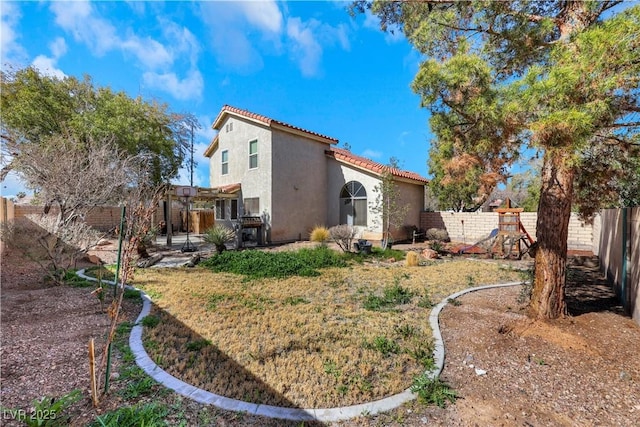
(590, 376)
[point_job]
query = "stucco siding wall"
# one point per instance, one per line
(299, 184)
(411, 196)
(338, 175)
(255, 182)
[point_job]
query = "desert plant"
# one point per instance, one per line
(343, 235)
(412, 259)
(438, 234)
(218, 235)
(320, 234)
(432, 390)
(382, 344)
(437, 246)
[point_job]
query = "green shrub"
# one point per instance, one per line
(260, 264)
(138, 388)
(72, 279)
(391, 296)
(383, 345)
(432, 390)
(131, 294)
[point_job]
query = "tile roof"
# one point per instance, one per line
(229, 189)
(375, 167)
(228, 109)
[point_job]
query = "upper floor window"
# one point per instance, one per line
(229, 127)
(225, 162)
(253, 154)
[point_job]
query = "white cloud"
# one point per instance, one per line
(190, 87)
(9, 46)
(308, 39)
(230, 24)
(182, 41)
(149, 52)
(78, 18)
(157, 59)
(372, 154)
(48, 65)
(58, 47)
(305, 49)
(263, 14)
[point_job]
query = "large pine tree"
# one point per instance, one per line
(560, 77)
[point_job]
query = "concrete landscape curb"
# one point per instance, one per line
(295, 414)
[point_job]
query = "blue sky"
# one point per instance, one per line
(305, 63)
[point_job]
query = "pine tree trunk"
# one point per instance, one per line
(554, 211)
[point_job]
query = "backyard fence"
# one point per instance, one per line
(620, 255)
(470, 227)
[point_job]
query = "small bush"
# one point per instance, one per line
(391, 296)
(343, 235)
(218, 235)
(412, 259)
(383, 345)
(438, 234)
(72, 279)
(432, 391)
(425, 300)
(319, 234)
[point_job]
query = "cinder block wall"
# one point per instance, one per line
(104, 218)
(470, 227)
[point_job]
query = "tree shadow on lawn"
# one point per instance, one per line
(190, 357)
(588, 291)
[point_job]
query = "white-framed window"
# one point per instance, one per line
(225, 162)
(221, 209)
(253, 154)
(229, 127)
(234, 208)
(353, 204)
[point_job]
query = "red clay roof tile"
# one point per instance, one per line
(378, 168)
(226, 109)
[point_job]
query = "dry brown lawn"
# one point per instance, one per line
(303, 342)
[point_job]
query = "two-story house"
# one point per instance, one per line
(294, 179)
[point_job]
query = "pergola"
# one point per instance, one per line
(196, 194)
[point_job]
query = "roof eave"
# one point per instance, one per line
(208, 152)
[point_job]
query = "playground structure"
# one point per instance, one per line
(509, 240)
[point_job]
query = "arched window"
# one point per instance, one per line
(353, 204)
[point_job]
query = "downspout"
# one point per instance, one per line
(623, 289)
